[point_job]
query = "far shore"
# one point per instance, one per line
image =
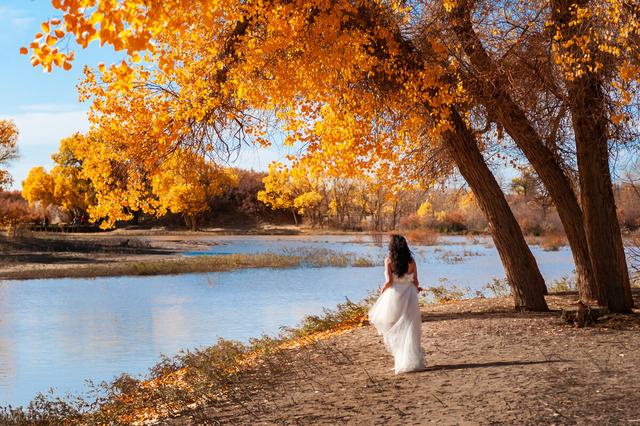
(138, 253)
(160, 251)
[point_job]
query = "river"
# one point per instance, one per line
(59, 332)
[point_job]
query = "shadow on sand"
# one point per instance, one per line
(489, 364)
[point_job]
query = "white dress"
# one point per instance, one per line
(396, 316)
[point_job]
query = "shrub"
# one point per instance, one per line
(553, 242)
(498, 287)
(447, 292)
(423, 236)
(563, 284)
(15, 210)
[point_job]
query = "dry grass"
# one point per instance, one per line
(423, 236)
(314, 258)
(188, 381)
(552, 242)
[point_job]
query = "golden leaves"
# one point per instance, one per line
(596, 38)
(200, 73)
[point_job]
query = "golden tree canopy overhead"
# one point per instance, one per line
(207, 76)
(365, 87)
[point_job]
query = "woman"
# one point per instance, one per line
(396, 314)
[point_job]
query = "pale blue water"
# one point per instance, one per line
(56, 333)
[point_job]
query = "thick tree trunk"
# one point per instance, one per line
(525, 279)
(590, 126)
(599, 208)
(492, 90)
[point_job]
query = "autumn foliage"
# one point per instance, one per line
(394, 94)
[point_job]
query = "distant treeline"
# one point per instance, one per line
(346, 204)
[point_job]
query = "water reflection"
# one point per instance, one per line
(60, 332)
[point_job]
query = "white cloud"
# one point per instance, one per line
(47, 128)
(15, 18)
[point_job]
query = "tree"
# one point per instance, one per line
(8, 148)
(39, 187)
(527, 65)
(290, 189)
(64, 186)
(186, 183)
(581, 37)
(345, 78)
(490, 85)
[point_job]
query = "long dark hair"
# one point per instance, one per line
(399, 254)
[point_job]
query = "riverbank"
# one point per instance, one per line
(101, 255)
(486, 365)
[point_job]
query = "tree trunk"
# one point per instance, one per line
(295, 216)
(525, 279)
(190, 221)
(590, 126)
(492, 90)
(599, 208)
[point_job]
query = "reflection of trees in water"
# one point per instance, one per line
(377, 238)
(171, 325)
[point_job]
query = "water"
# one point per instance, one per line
(56, 333)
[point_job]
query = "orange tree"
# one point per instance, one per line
(64, 186)
(291, 189)
(185, 183)
(181, 181)
(346, 79)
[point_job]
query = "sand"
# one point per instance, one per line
(486, 365)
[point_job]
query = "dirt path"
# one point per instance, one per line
(486, 366)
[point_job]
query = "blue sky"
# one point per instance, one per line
(45, 107)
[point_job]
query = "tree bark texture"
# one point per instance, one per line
(525, 279)
(590, 126)
(492, 90)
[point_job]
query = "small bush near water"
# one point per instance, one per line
(185, 383)
(446, 292)
(423, 236)
(563, 284)
(498, 287)
(553, 242)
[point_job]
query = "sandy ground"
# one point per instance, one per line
(486, 365)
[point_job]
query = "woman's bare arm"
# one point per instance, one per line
(388, 274)
(414, 270)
